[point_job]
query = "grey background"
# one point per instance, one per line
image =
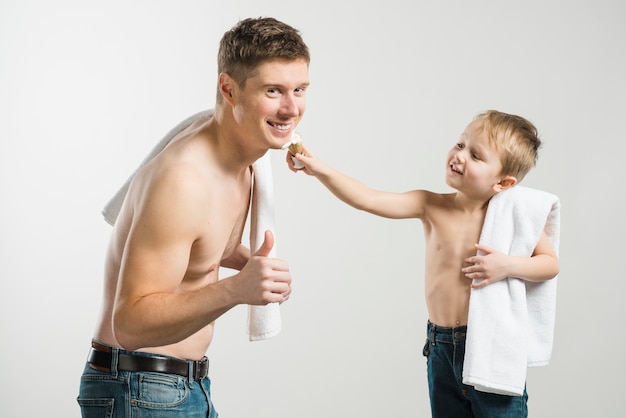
(87, 87)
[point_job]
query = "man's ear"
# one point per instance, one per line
(226, 86)
(505, 183)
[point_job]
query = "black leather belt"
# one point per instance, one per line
(100, 358)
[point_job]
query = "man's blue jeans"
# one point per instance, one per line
(121, 394)
(449, 397)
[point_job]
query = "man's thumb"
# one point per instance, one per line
(268, 244)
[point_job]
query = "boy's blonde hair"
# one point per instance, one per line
(515, 138)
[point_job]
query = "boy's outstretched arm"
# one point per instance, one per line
(355, 193)
(347, 189)
(542, 265)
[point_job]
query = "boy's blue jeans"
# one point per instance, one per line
(449, 397)
(121, 394)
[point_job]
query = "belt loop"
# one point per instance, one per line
(114, 361)
(431, 334)
(191, 375)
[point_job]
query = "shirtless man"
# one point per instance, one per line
(182, 219)
(495, 152)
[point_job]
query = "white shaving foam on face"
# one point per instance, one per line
(295, 139)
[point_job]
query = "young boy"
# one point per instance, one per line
(494, 152)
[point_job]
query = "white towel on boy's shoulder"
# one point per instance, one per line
(263, 321)
(511, 322)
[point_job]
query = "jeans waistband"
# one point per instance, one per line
(446, 334)
(112, 359)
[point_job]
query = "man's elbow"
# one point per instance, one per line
(125, 336)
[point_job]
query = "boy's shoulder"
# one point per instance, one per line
(434, 202)
(436, 198)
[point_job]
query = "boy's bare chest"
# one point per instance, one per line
(453, 238)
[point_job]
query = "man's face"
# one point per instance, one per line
(272, 101)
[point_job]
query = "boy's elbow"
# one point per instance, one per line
(556, 268)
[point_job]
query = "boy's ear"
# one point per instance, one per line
(505, 183)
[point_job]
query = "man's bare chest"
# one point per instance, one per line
(220, 235)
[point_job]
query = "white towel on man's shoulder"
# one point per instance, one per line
(511, 322)
(263, 321)
(113, 206)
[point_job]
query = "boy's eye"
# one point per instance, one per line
(460, 146)
(475, 156)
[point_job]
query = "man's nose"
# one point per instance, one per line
(289, 106)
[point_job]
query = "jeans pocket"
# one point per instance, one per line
(426, 349)
(160, 390)
(96, 408)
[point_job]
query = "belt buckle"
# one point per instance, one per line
(201, 369)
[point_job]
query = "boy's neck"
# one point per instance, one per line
(469, 204)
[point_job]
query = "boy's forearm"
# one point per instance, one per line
(538, 268)
(345, 188)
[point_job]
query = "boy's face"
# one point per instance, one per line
(272, 102)
(473, 165)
